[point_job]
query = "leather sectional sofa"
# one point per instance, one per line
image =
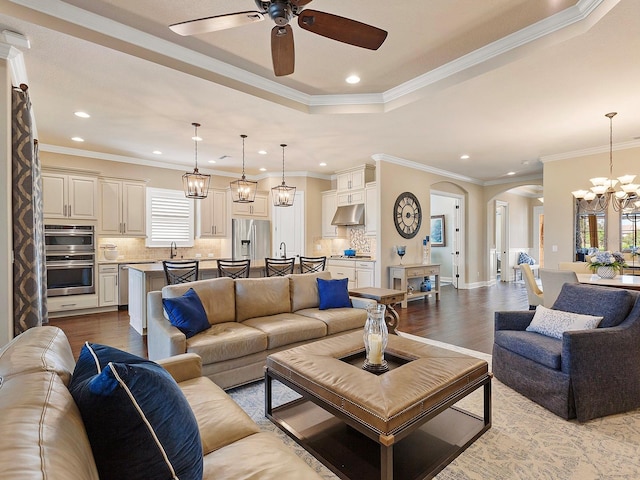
(44, 437)
(250, 318)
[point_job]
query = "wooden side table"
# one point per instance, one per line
(400, 276)
(384, 296)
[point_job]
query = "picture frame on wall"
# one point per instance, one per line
(438, 237)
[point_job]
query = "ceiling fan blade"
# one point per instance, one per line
(213, 24)
(282, 50)
(342, 29)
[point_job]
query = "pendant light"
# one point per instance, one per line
(243, 190)
(196, 184)
(283, 195)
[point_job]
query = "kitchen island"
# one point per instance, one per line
(148, 277)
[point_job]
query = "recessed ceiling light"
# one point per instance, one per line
(511, 173)
(157, 152)
(262, 152)
(352, 79)
(323, 164)
(464, 157)
(82, 114)
(212, 161)
(262, 169)
(77, 139)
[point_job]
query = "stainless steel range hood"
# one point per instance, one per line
(349, 215)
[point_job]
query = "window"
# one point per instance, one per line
(630, 233)
(170, 218)
(590, 232)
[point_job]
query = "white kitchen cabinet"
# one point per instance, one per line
(329, 206)
(365, 274)
(354, 178)
(258, 208)
(353, 197)
(69, 196)
(107, 285)
(61, 306)
(122, 208)
(340, 269)
(213, 215)
(371, 209)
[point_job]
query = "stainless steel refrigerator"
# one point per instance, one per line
(251, 239)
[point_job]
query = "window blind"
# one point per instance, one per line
(170, 218)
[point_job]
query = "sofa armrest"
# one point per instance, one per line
(163, 339)
(183, 367)
(513, 320)
(360, 302)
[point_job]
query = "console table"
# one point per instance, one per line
(384, 296)
(401, 276)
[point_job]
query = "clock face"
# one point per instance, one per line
(407, 215)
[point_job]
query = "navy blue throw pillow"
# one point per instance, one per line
(333, 293)
(138, 421)
(187, 313)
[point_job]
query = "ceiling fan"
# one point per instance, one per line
(281, 12)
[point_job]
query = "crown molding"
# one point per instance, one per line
(589, 151)
(233, 77)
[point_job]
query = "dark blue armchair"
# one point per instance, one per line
(586, 374)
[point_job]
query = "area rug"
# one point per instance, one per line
(525, 440)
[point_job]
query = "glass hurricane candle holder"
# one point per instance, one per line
(375, 337)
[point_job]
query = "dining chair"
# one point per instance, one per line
(552, 281)
(312, 264)
(279, 267)
(578, 267)
(534, 294)
(234, 268)
(180, 271)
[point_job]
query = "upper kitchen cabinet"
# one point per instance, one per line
(213, 215)
(69, 196)
(258, 208)
(329, 205)
(351, 184)
(122, 208)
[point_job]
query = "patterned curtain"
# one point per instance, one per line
(29, 272)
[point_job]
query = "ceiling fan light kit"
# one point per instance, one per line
(283, 195)
(281, 12)
(196, 184)
(603, 192)
(243, 190)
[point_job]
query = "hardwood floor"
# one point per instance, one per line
(461, 317)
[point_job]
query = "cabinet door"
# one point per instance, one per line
(357, 180)
(133, 209)
(343, 181)
(82, 197)
(108, 286)
(213, 214)
(364, 278)
(258, 208)
(110, 200)
(329, 205)
(371, 211)
(53, 195)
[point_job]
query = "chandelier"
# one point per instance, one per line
(604, 192)
(283, 195)
(196, 184)
(243, 190)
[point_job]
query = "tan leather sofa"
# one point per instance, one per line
(250, 318)
(43, 436)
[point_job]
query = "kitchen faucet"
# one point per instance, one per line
(285, 250)
(174, 250)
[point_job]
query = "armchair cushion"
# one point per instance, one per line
(333, 293)
(534, 346)
(613, 304)
(187, 313)
(128, 402)
(553, 323)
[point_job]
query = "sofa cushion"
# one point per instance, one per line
(139, 422)
(259, 297)
(287, 328)
(217, 296)
(304, 289)
(43, 436)
(534, 346)
(338, 319)
(333, 293)
(553, 323)
(38, 349)
(225, 341)
(186, 313)
(613, 304)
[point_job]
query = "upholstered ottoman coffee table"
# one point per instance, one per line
(401, 424)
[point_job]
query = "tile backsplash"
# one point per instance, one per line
(355, 238)
(135, 249)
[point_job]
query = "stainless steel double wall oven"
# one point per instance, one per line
(70, 259)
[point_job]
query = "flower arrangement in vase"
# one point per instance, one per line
(607, 264)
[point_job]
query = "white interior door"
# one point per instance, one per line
(288, 227)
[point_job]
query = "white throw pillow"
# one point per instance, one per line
(553, 323)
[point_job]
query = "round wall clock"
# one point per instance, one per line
(407, 215)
